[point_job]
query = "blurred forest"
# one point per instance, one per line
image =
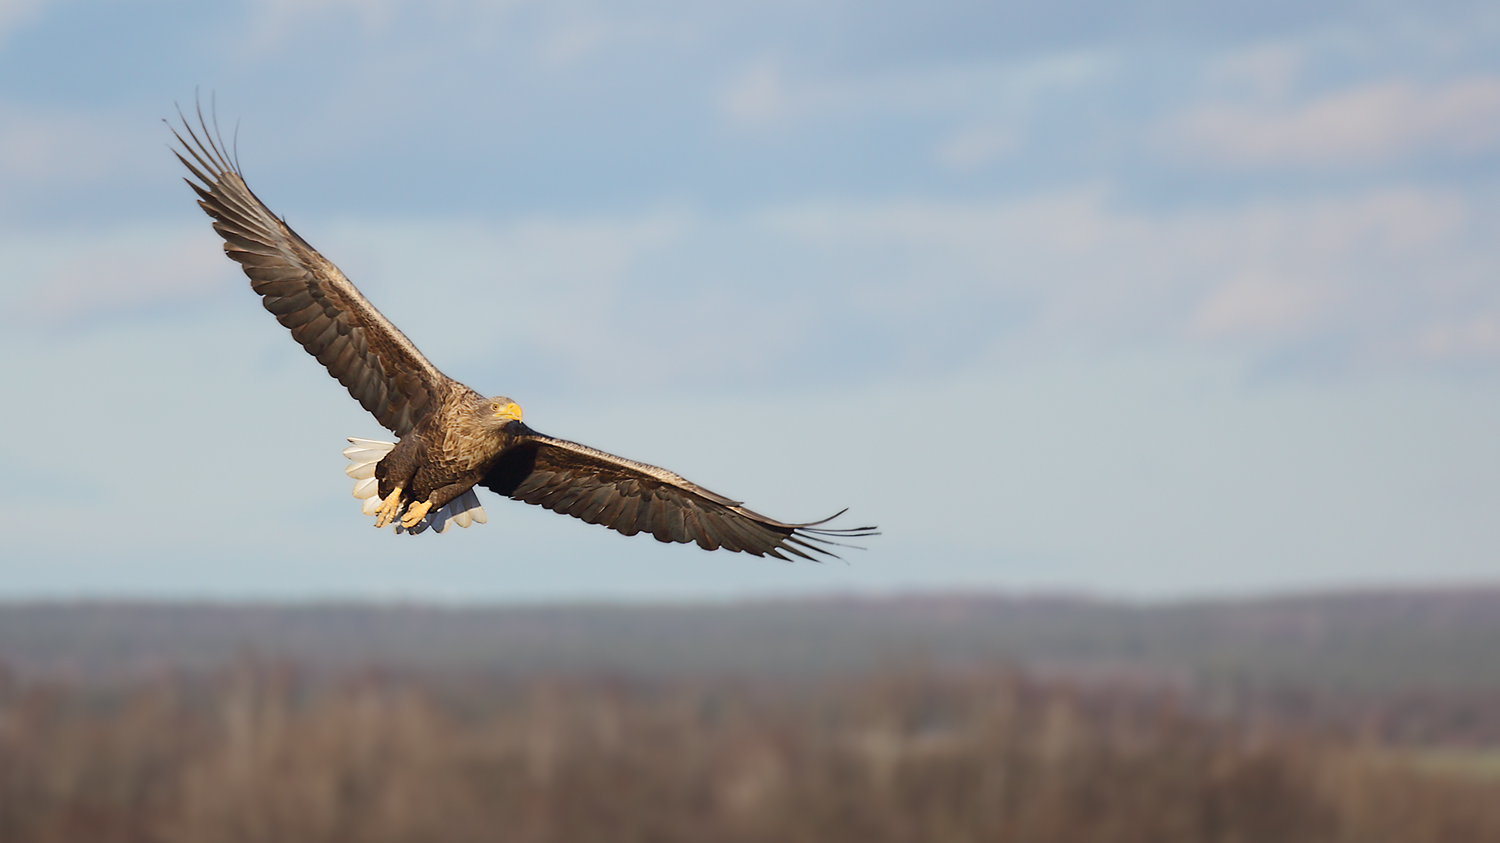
(1362, 718)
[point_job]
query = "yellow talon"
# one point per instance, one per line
(415, 513)
(388, 508)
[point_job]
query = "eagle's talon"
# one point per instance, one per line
(388, 508)
(415, 513)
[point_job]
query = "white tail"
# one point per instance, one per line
(363, 454)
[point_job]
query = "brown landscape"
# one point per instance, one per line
(1082, 722)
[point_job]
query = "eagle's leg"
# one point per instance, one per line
(436, 500)
(388, 508)
(415, 513)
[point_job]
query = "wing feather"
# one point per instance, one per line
(332, 320)
(630, 497)
(597, 500)
(628, 522)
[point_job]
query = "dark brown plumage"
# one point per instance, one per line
(450, 437)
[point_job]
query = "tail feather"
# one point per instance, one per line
(360, 471)
(363, 454)
(365, 489)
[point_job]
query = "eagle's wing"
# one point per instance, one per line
(632, 497)
(380, 367)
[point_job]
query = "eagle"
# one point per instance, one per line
(449, 438)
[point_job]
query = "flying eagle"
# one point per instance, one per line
(451, 438)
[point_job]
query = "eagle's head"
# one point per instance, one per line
(497, 412)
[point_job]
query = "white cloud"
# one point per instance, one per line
(587, 33)
(60, 277)
(973, 149)
(565, 281)
(576, 41)
(1257, 303)
(277, 25)
(553, 34)
(15, 14)
(1369, 125)
(758, 97)
(52, 147)
(1265, 72)
(986, 94)
(1462, 338)
(1369, 273)
(1381, 275)
(277, 22)
(1377, 276)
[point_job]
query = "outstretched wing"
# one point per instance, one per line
(632, 497)
(309, 295)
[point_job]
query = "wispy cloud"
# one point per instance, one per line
(62, 279)
(49, 147)
(1369, 273)
(758, 97)
(1462, 338)
(1367, 125)
(1382, 275)
(279, 23)
(1265, 73)
(770, 90)
(17, 13)
(1259, 304)
(972, 149)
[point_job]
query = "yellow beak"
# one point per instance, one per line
(510, 412)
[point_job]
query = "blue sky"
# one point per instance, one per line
(1152, 299)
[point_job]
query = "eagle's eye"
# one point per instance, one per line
(494, 407)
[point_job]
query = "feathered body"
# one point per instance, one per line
(450, 449)
(450, 438)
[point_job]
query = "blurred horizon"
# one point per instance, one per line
(1145, 301)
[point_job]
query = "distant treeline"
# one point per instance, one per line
(1340, 642)
(264, 753)
(1421, 666)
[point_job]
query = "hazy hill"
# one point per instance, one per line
(1354, 643)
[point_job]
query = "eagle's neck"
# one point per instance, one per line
(466, 439)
